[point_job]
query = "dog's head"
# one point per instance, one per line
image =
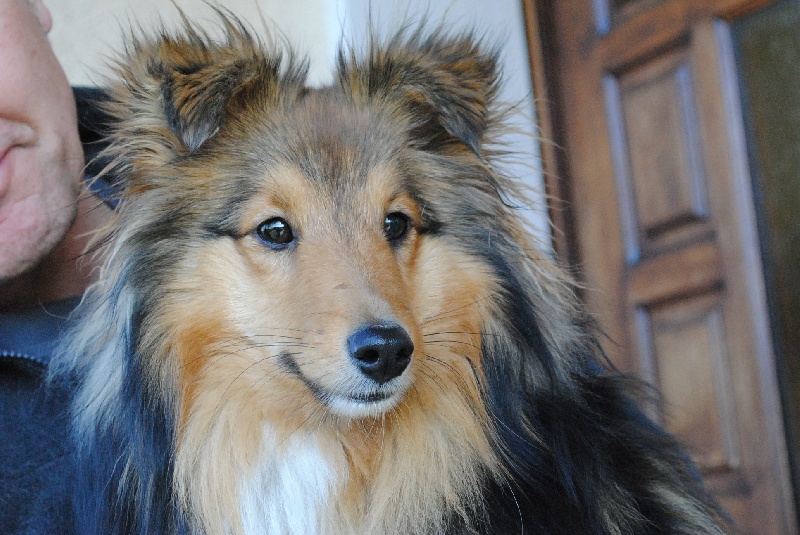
(308, 241)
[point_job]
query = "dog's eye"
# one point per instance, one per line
(395, 226)
(275, 232)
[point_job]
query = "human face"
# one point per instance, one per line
(40, 153)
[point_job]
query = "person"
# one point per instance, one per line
(46, 215)
(43, 225)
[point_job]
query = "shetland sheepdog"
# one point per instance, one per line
(319, 313)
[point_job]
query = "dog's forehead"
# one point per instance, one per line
(335, 141)
(325, 155)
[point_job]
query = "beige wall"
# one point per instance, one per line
(87, 32)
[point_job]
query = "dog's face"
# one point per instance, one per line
(326, 274)
(313, 276)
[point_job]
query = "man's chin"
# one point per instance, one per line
(29, 231)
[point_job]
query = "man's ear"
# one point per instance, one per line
(446, 84)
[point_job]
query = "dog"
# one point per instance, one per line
(320, 313)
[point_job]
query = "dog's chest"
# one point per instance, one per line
(294, 493)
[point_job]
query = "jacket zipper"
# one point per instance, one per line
(8, 354)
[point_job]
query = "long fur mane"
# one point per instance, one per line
(514, 424)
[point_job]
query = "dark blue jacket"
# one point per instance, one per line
(35, 465)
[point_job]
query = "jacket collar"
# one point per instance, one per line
(31, 335)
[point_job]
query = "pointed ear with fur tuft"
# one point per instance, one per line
(196, 95)
(446, 84)
(179, 89)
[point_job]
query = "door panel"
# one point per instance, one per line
(658, 159)
(690, 355)
(665, 229)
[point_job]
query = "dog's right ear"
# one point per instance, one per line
(177, 90)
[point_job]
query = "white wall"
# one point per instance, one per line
(86, 33)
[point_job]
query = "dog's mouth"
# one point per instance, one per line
(372, 397)
(357, 405)
(370, 402)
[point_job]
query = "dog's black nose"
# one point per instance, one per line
(381, 352)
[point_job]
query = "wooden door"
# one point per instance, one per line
(642, 95)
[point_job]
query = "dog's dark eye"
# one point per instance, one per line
(395, 226)
(275, 232)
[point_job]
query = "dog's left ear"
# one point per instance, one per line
(446, 84)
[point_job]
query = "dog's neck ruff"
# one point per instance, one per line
(318, 481)
(290, 494)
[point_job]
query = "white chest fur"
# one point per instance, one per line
(292, 493)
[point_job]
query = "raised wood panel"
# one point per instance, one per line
(666, 166)
(690, 356)
(660, 155)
